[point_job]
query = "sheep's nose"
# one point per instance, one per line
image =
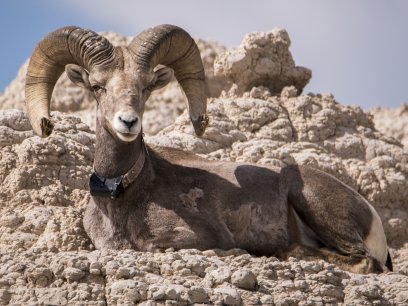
(128, 122)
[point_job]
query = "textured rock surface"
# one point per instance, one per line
(393, 122)
(46, 257)
(262, 59)
(43, 184)
(182, 278)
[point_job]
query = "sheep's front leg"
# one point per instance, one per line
(102, 230)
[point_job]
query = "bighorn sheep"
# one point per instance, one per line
(155, 198)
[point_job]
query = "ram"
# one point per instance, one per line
(149, 198)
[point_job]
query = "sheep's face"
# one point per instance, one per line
(121, 92)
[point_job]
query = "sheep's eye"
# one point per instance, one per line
(149, 88)
(96, 88)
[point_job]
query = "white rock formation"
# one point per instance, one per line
(47, 258)
(262, 59)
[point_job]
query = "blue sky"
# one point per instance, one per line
(357, 50)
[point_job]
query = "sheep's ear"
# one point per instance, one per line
(78, 75)
(163, 76)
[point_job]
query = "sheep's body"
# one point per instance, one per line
(184, 201)
(180, 200)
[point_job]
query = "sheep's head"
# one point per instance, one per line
(120, 78)
(121, 93)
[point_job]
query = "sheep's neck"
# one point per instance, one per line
(113, 157)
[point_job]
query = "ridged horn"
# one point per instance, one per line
(68, 45)
(171, 46)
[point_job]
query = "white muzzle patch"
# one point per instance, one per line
(127, 125)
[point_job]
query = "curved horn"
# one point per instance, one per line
(173, 47)
(68, 45)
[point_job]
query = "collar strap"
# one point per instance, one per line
(113, 187)
(130, 176)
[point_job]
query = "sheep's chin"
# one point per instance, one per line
(126, 137)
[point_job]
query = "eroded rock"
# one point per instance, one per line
(392, 122)
(46, 257)
(262, 59)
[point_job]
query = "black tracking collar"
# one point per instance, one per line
(112, 187)
(105, 187)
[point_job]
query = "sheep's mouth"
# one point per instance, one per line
(127, 137)
(125, 134)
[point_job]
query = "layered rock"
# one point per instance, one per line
(47, 258)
